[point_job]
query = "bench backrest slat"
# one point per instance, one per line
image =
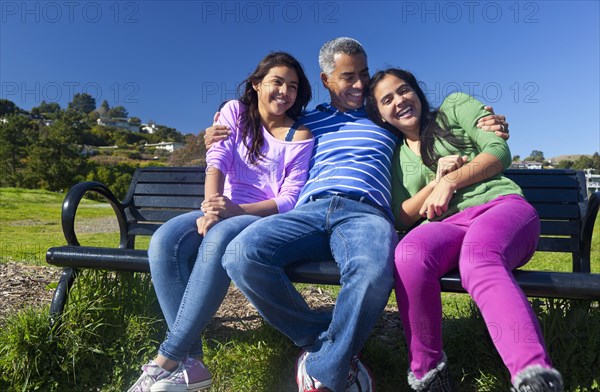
(563, 227)
(162, 188)
(159, 216)
(551, 195)
(554, 244)
(173, 175)
(156, 201)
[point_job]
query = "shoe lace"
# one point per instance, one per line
(181, 373)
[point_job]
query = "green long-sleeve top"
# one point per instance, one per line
(410, 175)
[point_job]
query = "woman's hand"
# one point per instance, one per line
(437, 202)
(205, 222)
(221, 206)
(449, 164)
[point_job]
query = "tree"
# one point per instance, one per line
(564, 164)
(117, 112)
(82, 103)
(536, 156)
(596, 162)
(104, 107)
(583, 162)
(14, 143)
(46, 108)
(166, 134)
(8, 107)
(55, 158)
(192, 154)
(516, 158)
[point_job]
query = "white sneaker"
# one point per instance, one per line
(305, 382)
(190, 375)
(151, 373)
(359, 378)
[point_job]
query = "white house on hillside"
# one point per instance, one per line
(121, 123)
(168, 146)
(526, 165)
(149, 128)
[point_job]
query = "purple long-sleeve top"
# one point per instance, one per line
(279, 175)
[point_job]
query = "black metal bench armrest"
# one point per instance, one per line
(72, 200)
(132, 260)
(588, 228)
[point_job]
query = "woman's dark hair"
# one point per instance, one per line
(250, 120)
(429, 130)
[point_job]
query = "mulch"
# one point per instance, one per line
(23, 286)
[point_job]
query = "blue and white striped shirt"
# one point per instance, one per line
(351, 155)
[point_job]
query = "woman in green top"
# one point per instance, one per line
(447, 174)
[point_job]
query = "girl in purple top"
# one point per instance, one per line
(258, 171)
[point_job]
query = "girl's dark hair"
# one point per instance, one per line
(250, 120)
(429, 130)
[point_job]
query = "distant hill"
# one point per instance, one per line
(573, 157)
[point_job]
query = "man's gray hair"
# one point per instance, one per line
(343, 45)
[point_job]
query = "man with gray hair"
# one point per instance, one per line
(343, 213)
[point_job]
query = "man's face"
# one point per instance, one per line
(348, 81)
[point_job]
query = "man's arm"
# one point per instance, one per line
(215, 133)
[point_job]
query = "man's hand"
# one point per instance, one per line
(205, 222)
(215, 133)
(494, 122)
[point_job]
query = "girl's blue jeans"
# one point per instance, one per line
(188, 277)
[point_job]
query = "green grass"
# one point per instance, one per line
(30, 223)
(112, 324)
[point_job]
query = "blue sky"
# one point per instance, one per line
(538, 62)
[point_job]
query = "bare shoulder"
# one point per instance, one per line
(302, 133)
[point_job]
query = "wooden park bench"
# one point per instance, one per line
(157, 194)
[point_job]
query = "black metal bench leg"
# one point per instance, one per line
(61, 294)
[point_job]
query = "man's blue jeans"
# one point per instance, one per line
(361, 240)
(189, 279)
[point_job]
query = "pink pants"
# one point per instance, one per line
(486, 243)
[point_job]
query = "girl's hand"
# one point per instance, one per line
(221, 206)
(205, 222)
(437, 202)
(449, 164)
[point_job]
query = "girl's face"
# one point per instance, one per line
(398, 104)
(277, 91)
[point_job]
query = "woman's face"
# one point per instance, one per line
(277, 91)
(398, 104)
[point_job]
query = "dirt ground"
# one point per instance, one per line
(24, 286)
